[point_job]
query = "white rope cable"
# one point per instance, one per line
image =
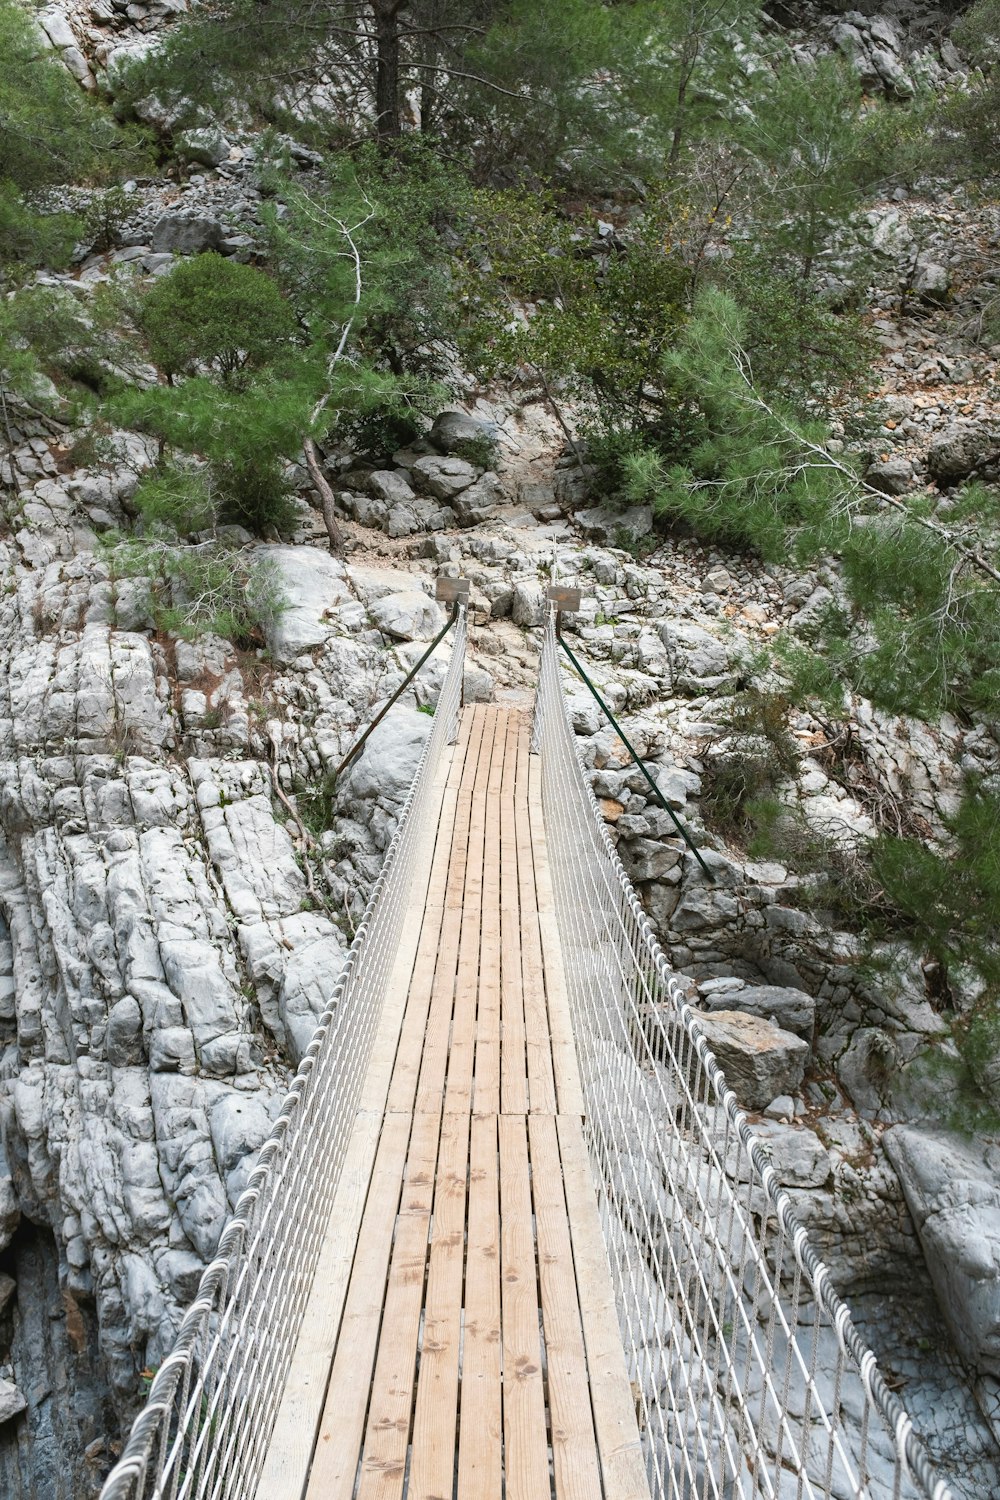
(204, 1430)
(751, 1379)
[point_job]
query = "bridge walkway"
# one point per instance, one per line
(461, 1339)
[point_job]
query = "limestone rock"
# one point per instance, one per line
(310, 977)
(392, 486)
(893, 476)
(760, 1060)
(312, 585)
(207, 146)
(186, 235)
(374, 583)
(443, 477)
(791, 1009)
(410, 616)
(954, 1197)
(962, 449)
(387, 764)
(453, 428)
(528, 606)
(479, 501)
(11, 1401)
(615, 527)
(698, 659)
(932, 282)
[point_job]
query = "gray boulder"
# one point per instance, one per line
(443, 477)
(960, 450)
(699, 661)
(11, 1401)
(932, 282)
(312, 584)
(953, 1194)
(453, 428)
(384, 770)
(410, 616)
(479, 501)
(207, 146)
(760, 1060)
(792, 1010)
(374, 583)
(893, 477)
(391, 485)
(186, 235)
(615, 527)
(528, 605)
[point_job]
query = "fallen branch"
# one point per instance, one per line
(308, 842)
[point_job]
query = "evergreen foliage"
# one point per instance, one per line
(218, 314)
(210, 587)
(547, 87)
(49, 134)
(951, 897)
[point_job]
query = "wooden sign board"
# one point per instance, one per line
(452, 590)
(567, 599)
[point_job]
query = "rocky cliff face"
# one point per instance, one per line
(164, 950)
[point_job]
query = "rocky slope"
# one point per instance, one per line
(179, 878)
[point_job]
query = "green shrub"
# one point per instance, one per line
(177, 499)
(759, 754)
(380, 433)
(210, 588)
(315, 801)
(480, 451)
(216, 313)
(253, 492)
(950, 899)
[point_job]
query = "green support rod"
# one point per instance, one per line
(629, 747)
(399, 691)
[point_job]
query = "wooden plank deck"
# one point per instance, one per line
(469, 1349)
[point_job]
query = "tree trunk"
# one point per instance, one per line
(387, 113)
(325, 494)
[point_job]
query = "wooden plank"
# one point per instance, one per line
(434, 1061)
(569, 1091)
(622, 1466)
(513, 1055)
(335, 1461)
(286, 1466)
(290, 1447)
(526, 1461)
(480, 1453)
(486, 1094)
(411, 1042)
(541, 1079)
(435, 1422)
(575, 1462)
(461, 1053)
(383, 1460)
(434, 1065)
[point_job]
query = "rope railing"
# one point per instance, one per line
(749, 1375)
(211, 1407)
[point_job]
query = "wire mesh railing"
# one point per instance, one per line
(749, 1375)
(212, 1404)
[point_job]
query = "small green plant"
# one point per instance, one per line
(379, 433)
(315, 801)
(480, 451)
(210, 587)
(426, 708)
(757, 755)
